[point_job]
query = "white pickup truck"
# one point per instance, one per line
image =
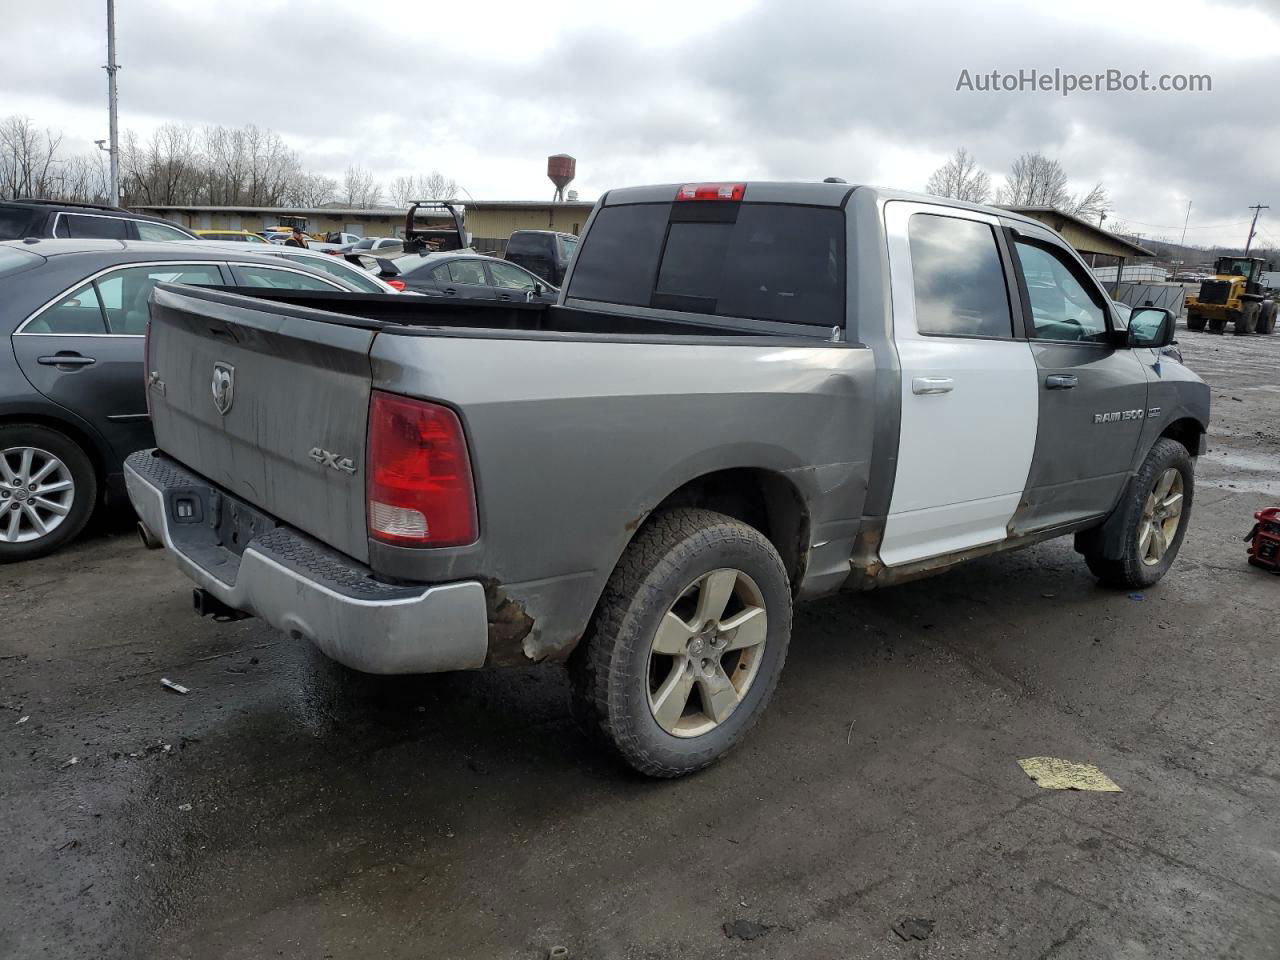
(747, 395)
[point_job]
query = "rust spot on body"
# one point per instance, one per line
(509, 625)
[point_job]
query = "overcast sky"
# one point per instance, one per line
(677, 90)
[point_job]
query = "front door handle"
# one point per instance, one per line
(1061, 381)
(450, 292)
(927, 386)
(66, 360)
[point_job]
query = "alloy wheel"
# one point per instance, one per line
(1161, 512)
(36, 494)
(706, 652)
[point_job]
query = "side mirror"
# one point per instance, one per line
(1150, 327)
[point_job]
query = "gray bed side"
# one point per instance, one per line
(574, 444)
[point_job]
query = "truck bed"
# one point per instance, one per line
(578, 425)
(408, 314)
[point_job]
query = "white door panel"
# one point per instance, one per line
(968, 429)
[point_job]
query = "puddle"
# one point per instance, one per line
(1246, 471)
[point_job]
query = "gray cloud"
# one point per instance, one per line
(802, 89)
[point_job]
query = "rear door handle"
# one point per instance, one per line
(66, 360)
(1061, 381)
(926, 386)
(450, 292)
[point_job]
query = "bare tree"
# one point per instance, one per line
(359, 189)
(436, 186)
(1036, 180)
(404, 190)
(28, 158)
(960, 179)
(432, 186)
(311, 190)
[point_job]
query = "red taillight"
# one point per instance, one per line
(711, 191)
(397, 284)
(419, 483)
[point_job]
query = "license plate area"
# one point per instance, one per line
(200, 516)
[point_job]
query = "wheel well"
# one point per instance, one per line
(766, 500)
(1187, 432)
(78, 436)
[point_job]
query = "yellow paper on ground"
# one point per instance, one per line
(1054, 774)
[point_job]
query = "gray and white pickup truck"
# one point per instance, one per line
(747, 395)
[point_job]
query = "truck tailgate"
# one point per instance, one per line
(267, 402)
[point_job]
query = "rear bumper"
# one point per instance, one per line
(304, 589)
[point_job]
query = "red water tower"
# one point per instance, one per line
(561, 169)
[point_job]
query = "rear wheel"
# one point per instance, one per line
(1155, 510)
(1267, 316)
(1217, 324)
(1195, 321)
(47, 491)
(687, 643)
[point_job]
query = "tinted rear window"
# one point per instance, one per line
(774, 262)
(14, 222)
(92, 227)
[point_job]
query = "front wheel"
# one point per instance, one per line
(1154, 513)
(47, 491)
(1195, 321)
(1248, 320)
(687, 643)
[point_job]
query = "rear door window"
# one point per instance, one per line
(256, 276)
(78, 312)
(162, 231)
(468, 271)
(960, 289)
(126, 293)
(778, 262)
(86, 227)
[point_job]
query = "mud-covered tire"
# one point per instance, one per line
(1267, 317)
(612, 671)
(1126, 567)
(1196, 321)
(73, 468)
(1248, 320)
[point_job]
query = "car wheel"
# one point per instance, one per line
(1195, 321)
(1156, 507)
(687, 643)
(47, 491)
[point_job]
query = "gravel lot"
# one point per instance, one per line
(287, 807)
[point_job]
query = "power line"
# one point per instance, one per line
(1178, 226)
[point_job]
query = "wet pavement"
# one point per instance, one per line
(286, 807)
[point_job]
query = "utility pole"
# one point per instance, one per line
(1183, 241)
(114, 132)
(1257, 208)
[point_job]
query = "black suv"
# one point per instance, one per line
(89, 221)
(545, 253)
